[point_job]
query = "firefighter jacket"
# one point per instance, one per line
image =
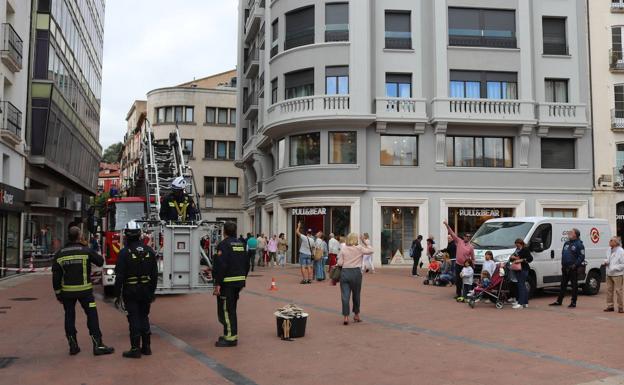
(71, 270)
(231, 263)
(136, 272)
(177, 209)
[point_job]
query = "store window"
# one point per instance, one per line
(305, 149)
(336, 220)
(400, 228)
(343, 147)
(469, 219)
(561, 213)
(399, 150)
(463, 151)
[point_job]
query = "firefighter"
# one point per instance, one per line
(177, 206)
(71, 279)
(135, 284)
(230, 273)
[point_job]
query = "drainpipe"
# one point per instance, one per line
(591, 104)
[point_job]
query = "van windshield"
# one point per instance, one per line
(500, 235)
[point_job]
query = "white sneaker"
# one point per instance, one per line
(525, 306)
(512, 300)
(517, 306)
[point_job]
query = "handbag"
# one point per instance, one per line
(317, 254)
(334, 275)
(516, 266)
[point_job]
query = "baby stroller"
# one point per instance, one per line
(497, 291)
(435, 269)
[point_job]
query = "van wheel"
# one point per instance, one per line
(109, 291)
(531, 285)
(592, 284)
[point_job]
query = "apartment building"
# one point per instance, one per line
(63, 128)
(390, 116)
(606, 21)
(205, 111)
(14, 38)
(131, 162)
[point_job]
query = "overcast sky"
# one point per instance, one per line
(158, 43)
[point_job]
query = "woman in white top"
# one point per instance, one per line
(615, 274)
(367, 263)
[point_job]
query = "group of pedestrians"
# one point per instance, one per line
(265, 252)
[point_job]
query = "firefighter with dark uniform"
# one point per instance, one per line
(71, 279)
(136, 276)
(177, 206)
(230, 273)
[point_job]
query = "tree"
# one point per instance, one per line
(111, 154)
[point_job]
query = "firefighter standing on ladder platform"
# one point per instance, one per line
(230, 273)
(177, 206)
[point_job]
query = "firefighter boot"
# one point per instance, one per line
(73, 345)
(99, 348)
(145, 344)
(135, 348)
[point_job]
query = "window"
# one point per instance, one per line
(618, 91)
(274, 37)
(299, 83)
(281, 153)
(343, 147)
(209, 151)
(222, 150)
(188, 116)
(179, 114)
(209, 186)
(474, 27)
(617, 59)
(543, 234)
(233, 117)
(554, 36)
(558, 153)
(399, 85)
(222, 116)
(274, 91)
(231, 150)
(211, 114)
(398, 30)
(221, 186)
(187, 146)
(160, 115)
(556, 90)
(337, 80)
(232, 186)
(476, 84)
(399, 150)
(337, 22)
(561, 213)
(479, 152)
(299, 28)
(305, 149)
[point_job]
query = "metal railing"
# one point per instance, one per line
(11, 118)
(251, 99)
(618, 179)
(252, 56)
(616, 60)
(556, 49)
(12, 43)
(617, 6)
(482, 41)
(617, 119)
(336, 32)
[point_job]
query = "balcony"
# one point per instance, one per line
(252, 63)
(561, 114)
(484, 111)
(308, 107)
(12, 48)
(617, 119)
(399, 109)
(250, 106)
(11, 130)
(481, 38)
(616, 61)
(618, 179)
(617, 6)
(252, 24)
(261, 86)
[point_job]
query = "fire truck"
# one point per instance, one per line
(184, 249)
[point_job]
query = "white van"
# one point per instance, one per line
(545, 238)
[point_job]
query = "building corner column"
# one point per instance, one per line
(525, 143)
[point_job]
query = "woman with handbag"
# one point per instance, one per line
(320, 252)
(520, 260)
(350, 267)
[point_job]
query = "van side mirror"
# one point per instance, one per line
(536, 245)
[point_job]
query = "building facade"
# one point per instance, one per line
(63, 114)
(109, 180)
(15, 35)
(132, 151)
(390, 116)
(205, 110)
(606, 21)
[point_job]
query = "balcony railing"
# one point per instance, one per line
(486, 110)
(308, 107)
(250, 106)
(398, 40)
(12, 48)
(485, 106)
(618, 179)
(254, 17)
(251, 57)
(616, 60)
(400, 108)
(617, 6)
(336, 32)
(482, 39)
(294, 39)
(11, 118)
(617, 119)
(274, 49)
(561, 114)
(555, 49)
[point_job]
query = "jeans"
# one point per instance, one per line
(88, 305)
(138, 316)
(350, 285)
(251, 254)
(568, 274)
(523, 294)
(281, 258)
(319, 270)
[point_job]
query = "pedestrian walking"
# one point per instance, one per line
(261, 249)
(230, 275)
(282, 249)
(367, 261)
(333, 248)
(416, 253)
(572, 257)
(272, 250)
(523, 257)
(464, 251)
(350, 259)
(319, 265)
(305, 254)
(136, 277)
(615, 274)
(252, 244)
(71, 280)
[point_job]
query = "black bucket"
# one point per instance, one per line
(297, 326)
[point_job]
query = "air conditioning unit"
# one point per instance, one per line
(605, 180)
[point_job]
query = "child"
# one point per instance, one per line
(367, 262)
(489, 265)
(485, 279)
(466, 275)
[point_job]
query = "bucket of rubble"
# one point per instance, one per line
(291, 322)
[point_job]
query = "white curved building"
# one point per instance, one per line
(389, 116)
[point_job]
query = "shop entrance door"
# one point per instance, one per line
(315, 223)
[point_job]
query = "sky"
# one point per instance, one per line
(150, 44)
